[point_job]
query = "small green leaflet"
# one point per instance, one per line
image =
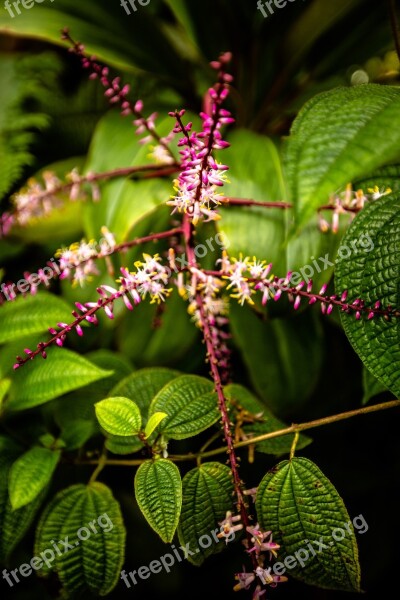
(303, 509)
(119, 416)
(30, 474)
(153, 422)
(158, 491)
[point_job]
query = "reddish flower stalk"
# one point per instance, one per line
(42, 197)
(149, 279)
(117, 93)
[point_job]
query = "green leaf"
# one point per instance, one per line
(191, 405)
(153, 422)
(13, 523)
(32, 314)
(372, 387)
(339, 136)
(158, 491)
(303, 509)
(283, 356)
(42, 380)
(374, 274)
(119, 416)
(142, 386)
(91, 518)
(30, 474)
(246, 406)
(207, 496)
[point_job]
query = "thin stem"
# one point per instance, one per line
(117, 95)
(249, 202)
(208, 443)
(294, 444)
(101, 464)
(295, 428)
(155, 171)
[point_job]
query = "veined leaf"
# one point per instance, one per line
(32, 314)
(142, 386)
(191, 405)
(158, 491)
(303, 509)
(374, 274)
(13, 523)
(119, 416)
(42, 380)
(249, 409)
(340, 136)
(207, 496)
(30, 474)
(91, 519)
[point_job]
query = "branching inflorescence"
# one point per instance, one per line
(197, 198)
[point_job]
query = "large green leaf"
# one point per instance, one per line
(158, 491)
(90, 517)
(42, 380)
(31, 474)
(247, 407)
(339, 136)
(310, 522)
(30, 315)
(119, 416)
(207, 496)
(191, 405)
(374, 274)
(283, 356)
